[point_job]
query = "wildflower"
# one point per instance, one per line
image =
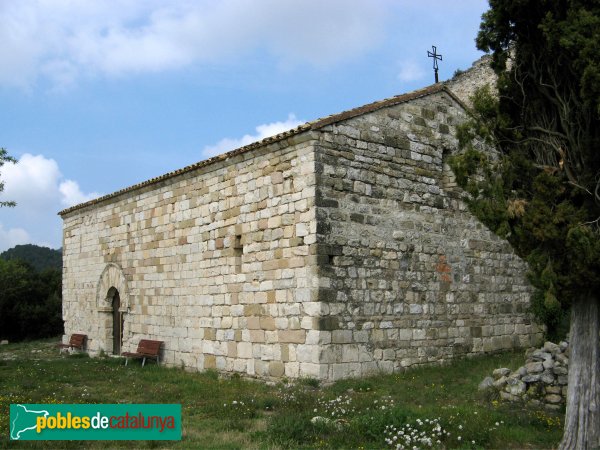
(497, 424)
(459, 438)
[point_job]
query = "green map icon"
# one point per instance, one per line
(23, 419)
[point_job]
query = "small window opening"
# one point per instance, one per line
(238, 251)
(448, 178)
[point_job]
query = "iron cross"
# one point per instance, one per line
(435, 57)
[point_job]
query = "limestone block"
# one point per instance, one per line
(341, 336)
(312, 370)
(308, 353)
(267, 323)
(292, 336)
(292, 369)
(210, 362)
(271, 337)
(419, 334)
(244, 349)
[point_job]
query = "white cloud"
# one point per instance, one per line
(32, 181)
(13, 236)
(72, 195)
(262, 131)
(63, 39)
(36, 183)
(40, 190)
(411, 71)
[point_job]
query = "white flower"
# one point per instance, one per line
(459, 438)
(497, 424)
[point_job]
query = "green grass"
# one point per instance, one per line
(236, 413)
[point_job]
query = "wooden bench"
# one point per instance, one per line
(77, 341)
(147, 349)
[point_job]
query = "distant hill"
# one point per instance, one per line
(39, 258)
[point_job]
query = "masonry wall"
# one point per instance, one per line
(218, 263)
(464, 84)
(407, 275)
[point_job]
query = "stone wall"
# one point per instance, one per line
(339, 249)
(542, 381)
(216, 262)
(408, 276)
(464, 84)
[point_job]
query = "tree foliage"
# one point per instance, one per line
(542, 193)
(40, 258)
(5, 158)
(542, 190)
(30, 301)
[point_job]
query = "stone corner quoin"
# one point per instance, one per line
(337, 250)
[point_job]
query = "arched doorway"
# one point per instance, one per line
(117, 321)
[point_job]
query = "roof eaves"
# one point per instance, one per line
(314, 125)
(207, 162)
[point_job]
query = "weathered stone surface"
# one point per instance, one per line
(503, 372)
(552, 348)
(534, 367)
(336, 250)
(541, 355)
(547, 378)
(516, 387)
(508, 397)
(548, 364)
(487, 383)
(560, 370)
(532, 378)
(500, 382)
(553, 398)
(276, 369)
(542, 381)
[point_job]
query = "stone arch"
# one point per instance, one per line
(112, 277)
(112, 285)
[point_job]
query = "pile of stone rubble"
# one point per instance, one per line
(542, 381)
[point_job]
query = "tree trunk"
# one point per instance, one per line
(582, 420)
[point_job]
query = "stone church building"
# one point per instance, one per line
(337, 249)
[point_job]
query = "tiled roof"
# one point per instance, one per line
(314, 125)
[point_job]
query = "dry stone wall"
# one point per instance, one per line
(408, 275)
(218, 263)
(542, 381)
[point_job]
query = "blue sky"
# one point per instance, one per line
(98, 95)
